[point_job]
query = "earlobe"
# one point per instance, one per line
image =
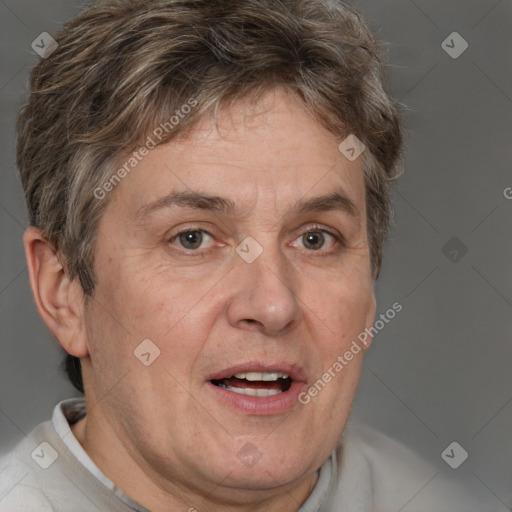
(59, 300)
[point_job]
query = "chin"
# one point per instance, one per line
(272, 465)
(266, 477)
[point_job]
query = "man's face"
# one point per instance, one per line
(168, 270)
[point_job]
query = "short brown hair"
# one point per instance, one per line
(123, 67)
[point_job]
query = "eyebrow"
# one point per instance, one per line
(335, 201)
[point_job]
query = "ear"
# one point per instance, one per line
(370, 319)
(59, 300)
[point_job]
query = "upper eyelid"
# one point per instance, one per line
(191, 230)
(339, 239)
(314, 227)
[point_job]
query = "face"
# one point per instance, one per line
(241, 254)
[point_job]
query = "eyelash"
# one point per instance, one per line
(339, 239)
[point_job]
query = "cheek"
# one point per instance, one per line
(141, 301)
(155, 304)
(344, 307)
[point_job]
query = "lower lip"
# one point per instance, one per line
(260, 405)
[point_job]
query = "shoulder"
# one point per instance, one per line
(376, 473)
(394, 473)
(20, 489)
(40, 475)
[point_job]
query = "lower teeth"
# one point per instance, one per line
(251, 391)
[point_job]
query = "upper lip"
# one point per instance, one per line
(295, 371)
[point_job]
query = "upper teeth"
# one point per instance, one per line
(267, 376)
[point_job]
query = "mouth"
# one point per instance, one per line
(260, 384)
(259, 388)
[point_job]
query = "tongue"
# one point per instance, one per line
(258, 384)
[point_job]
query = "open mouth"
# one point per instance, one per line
(260, 384)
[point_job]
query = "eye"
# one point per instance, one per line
(192, 239)
(316, 239)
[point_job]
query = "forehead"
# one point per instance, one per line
(270, 154)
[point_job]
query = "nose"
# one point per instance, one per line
(264, 297)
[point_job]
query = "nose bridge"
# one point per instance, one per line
(264, 296)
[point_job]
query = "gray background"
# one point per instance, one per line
(441, 370)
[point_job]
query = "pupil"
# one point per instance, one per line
(192, 239)
(314, 239)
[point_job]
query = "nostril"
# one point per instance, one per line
(251, 321)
